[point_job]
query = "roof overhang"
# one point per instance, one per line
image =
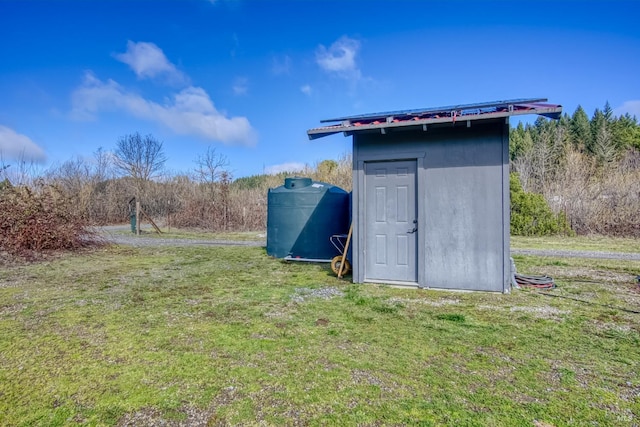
(423, 118)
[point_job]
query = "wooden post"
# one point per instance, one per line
(344, 254)
(137, 217)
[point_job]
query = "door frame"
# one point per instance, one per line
(358, 206)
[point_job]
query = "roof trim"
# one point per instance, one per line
(429, 116)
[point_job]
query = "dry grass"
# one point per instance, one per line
(228, 336)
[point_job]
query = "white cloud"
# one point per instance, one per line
(241, 86)
(189, 112)
(284, 167)
(306, 89)
(15, 146)
(148, 61)
(281, 65)
(340, 58)
(631, 107)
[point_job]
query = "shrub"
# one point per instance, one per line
(40, 219)
(531, 214)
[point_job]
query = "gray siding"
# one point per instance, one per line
(463, 202)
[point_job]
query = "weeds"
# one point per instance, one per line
(229, 336)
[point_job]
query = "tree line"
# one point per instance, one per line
(206, 197)
(585, 170)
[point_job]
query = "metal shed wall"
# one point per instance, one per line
(462, 202)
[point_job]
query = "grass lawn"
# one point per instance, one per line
(229, 336)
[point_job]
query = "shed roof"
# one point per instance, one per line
(423, 117)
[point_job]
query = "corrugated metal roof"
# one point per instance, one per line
(428, 116)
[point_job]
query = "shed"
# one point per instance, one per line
(431, 193)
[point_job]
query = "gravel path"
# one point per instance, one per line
(628, 256)
(132, 240)
(113, 233)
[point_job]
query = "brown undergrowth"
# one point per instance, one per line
(40, 220)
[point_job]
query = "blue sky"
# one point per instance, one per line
(249, 77)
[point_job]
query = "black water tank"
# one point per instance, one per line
(302, 215)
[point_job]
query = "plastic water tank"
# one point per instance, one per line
(302, 215)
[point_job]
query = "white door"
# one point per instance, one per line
(391, 221)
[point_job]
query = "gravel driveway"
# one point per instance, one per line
(629, 256)
(113, 233)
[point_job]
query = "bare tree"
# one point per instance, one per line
(103, 161)
(211, 166)
(211, 200)
(71, 176)
(140, 157)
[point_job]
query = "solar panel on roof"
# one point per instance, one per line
(432, 110)
(424, 117)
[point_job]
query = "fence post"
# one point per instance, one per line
(137, 217)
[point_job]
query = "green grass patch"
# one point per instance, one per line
(230, 336)
(457, 318)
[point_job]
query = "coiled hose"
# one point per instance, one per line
(537, 282)
(524, 281)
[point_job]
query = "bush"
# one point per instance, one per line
(531, 214)
(38, 220)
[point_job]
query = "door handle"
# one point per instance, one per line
(412, 231)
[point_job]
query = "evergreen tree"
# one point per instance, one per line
(608, 112)
(626, 132)
(580, 130)
(598, 128)
(540, 126)
(519, 142)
